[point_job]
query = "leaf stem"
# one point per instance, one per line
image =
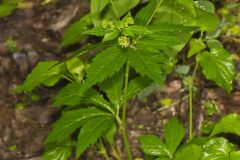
(157, 7)
(124, 110)
(104, 151)
(191, 102)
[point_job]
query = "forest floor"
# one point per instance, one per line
(25, 120)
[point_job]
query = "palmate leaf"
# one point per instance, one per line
(235, 155)
(72, 120)
(217, 149)
(47, 73)
(71, 95)
(152, 145)
(104, 65)
(60, 151)
(91, 131)
(218, 66)
(228, 124)
(192, 152)
(172, 140)
(177, 12)
(110, 134)
(96, 7)
(147, 63)
(98, 31)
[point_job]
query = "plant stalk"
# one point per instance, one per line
(191, 86)
(124, 111)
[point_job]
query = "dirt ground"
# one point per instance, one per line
(37, 31)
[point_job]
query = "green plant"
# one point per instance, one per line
(199, 148)
(134, 52)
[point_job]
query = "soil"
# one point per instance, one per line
(37, 31)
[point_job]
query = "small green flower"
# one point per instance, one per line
(124, 41)
(107, 24)
(130, 21)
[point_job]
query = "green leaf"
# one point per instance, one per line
(123, 6)
(98, 31)
(205, 16)
(113, 87)
(111, 133)
(152, 145)
(71, 95)
(60, 151)
(147, 63)
(172, 140)
(91, 131)
(6, 9)
(137, 85)
(72, 120)
(144, 15)
(196, 45)
(217, 149)
(74, 32)
(218, 66)
(111, 36)
(47, 73)
(205, 5)
(163, 158)
(177, 12)
(104, 65)
(98, 5)
(192, 152)
(228, 124)
(235, 155)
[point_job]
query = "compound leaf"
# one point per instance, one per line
(218, 66)
(147, 64)
(72, 120)
(104, 65)
(91, 131)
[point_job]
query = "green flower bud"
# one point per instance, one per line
(124, 41)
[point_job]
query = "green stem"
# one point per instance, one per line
(115, 153)
(114, 8)
(191, 102)
(104, 151)
(124, 111)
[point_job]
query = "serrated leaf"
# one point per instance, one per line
(172, 140)
(192, 152)
(91, 131)
(163, 158)
(113, 87)
(196, 45)
(72, 120)
(144, 15)
(218, 66)
(110, 134)
(228, 124)
(104, 65)
(47, 73)
(136, 30)
(177, 12)
(152, 145)
(217, 149)
(71, 95)
(137, 85)
(73, 33)
(147, 64)
(60, 151)
(98, 5)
